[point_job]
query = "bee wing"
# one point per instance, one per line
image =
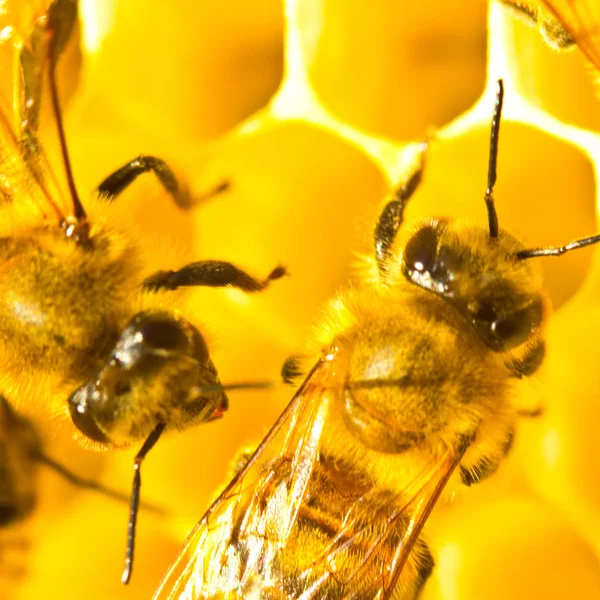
(581, 19)
(240, 547)
(202, 565)
(384, 531)
(27, 39)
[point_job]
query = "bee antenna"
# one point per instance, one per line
(557, 250)
(78, 210)
(494, 136)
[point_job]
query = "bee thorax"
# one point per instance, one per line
(410, 381)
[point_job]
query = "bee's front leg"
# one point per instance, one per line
(392, 215)
(116, 183)
(211, 273)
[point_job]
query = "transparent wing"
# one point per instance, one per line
(378, 546)
(581, 19)
(564, 23)
(32, 36)
(284, 529)
(206, 566)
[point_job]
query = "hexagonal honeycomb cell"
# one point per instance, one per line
(315, 110)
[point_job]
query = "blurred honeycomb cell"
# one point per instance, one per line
(80, 553)
(512, 547)
(395, 68)
(190, 69)
(561, 451)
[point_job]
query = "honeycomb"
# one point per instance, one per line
(314, 109)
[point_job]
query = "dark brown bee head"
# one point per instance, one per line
(158, 372)
(482, 277)
(485, 275)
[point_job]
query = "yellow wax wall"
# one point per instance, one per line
(313, 109)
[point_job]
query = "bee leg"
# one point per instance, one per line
(522, 368)
(211, 273)
(135, 499)
(391, 217)
(530, 362)
(532, 413)
(292, 370)
(114, 184)
(488, 464)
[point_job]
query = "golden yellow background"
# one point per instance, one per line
(311, 108)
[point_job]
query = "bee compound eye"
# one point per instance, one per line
(505, 328)
(421, 250)
(516, 329)
(511, 331)
(161, 331)
(79, 407)
(156, 334)
(486, 313)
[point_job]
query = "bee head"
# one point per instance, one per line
(485, 274)
(480, 272)
(482, 277)
(158, 372)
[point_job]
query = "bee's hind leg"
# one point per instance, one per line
(211, 273)
(529, 403)
(116, 183)
(392, 215)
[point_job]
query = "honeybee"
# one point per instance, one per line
(410, 397)
(87, 330)
(564, 23)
